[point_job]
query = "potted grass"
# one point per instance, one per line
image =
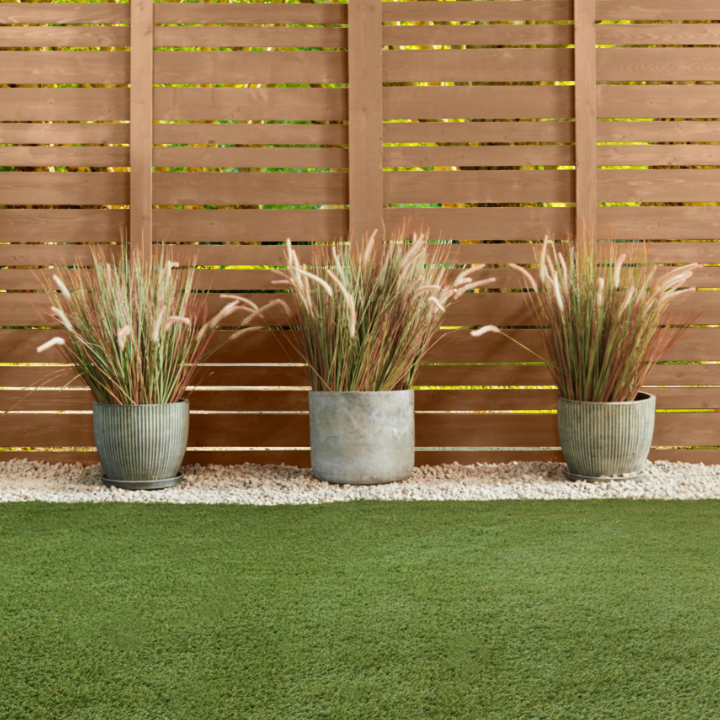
(366, 316)
(605, 318)
(136, 334)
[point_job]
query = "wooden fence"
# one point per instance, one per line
(494, 121)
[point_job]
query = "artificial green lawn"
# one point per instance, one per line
(477, 611)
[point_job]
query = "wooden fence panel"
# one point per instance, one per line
(459, 114)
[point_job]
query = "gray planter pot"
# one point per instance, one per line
(606, 440)
(362, 438)
(141, 447)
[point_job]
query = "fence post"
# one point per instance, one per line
(586, 117)
(365, 116)
(141, 117)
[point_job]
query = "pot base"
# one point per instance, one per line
(142, 484)
(574, 477)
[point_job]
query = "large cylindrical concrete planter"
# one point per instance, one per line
(141, 447)
(606, 440)
(362, 438)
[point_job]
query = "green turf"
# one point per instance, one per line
(479, 611)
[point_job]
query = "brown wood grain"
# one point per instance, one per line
(478, 156)
(667, 223)
(658, 101)
(658, 34)
(141, 127)
(666, 155)
(477, 65)
(238, 36)
(247, 104)
(234, 68)
(16, 37)
(336, 158)
(218, 188)
(664, 131)
(431, 103)
(479, 186)
(483, 132)
(73, 66)
(64, 156)
(64, 133)
(586, 115)
(426, 10)
(658, 185)
(242, 133)
(396, 35)
(251, 14)
(24, 104)
(77, 188)
(656, 10)
(666, 64)
(75, 13)
(366, 74)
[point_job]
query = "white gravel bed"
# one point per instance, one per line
(248, 484)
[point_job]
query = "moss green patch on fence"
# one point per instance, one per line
(407, 611)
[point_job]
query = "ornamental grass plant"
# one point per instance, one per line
(136, 332)
(605, 316)
(367, 314)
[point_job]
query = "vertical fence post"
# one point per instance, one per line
(365, 116)
(586, 116)
(141, 117)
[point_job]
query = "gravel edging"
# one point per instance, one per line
(21, 480)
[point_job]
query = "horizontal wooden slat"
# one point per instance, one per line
(248, 134)
(486, 156)
(658, 185)
(669, 155)
(76, 66)
(79, 188)
(477, 11)
(57, 226)
(477, 65)
(64, 37)
(667, 131)
(668, 223)
(22, 13)
(479, 186)
(636, 64)
(21, 104)
(657, 34)
(501, 309)
(289, 430)
(656, 10)
(249, 188)
(297, 400)
(64, 133)
(250, 13)
(658, 101)
(248, 104)
(64, 156)
(489, 132)
(232, 68)
(286, 37)
(477, 35)
(429, 103)
(250, 157)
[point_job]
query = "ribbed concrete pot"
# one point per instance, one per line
(141, 447)
(362, 438)
(606, 440)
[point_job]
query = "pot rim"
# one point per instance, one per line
(179, 402)
(648, 398)
(360, 392)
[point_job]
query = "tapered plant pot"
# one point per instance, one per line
(606, 440)
(362, 438)
(141, 447)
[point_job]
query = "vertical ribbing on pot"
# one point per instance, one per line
(606, 439)
(141, 442)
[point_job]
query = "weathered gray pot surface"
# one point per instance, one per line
(141, 447)
(362, 438)
(606, 440)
